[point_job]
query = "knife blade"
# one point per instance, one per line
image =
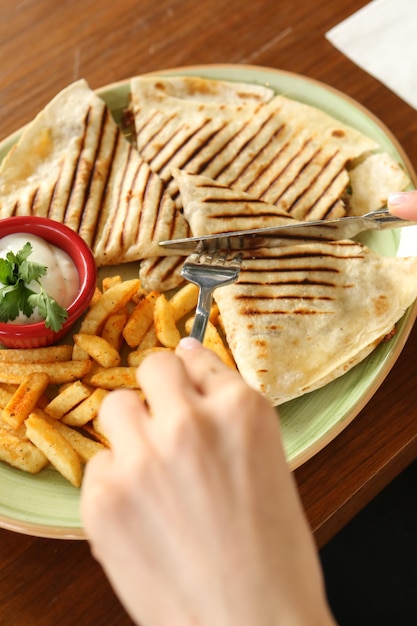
(289, 234)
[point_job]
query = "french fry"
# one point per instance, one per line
(184, 301)
(9, 388)
(61, 426)
(112, 300)
(135, 358)
(150, 340)
(21, 453)
(115, 378)
(5, 396)
(86, 410)
(95, 367)
(113, 329)
(20, 431)
(25, 398)
(93, 429)
(59, 372)
(140, 320)
(84, 446)
(110, 281)
(99, 349)
(96, 296)
(165, 327)
(67, 399)
(36, 355)
(55, 447)
(214, 314)
(214, 342)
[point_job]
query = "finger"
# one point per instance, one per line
(122, 415)
(205, 369)
(403, 204)
(166, 384)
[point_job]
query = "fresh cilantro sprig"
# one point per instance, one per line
(16, 273)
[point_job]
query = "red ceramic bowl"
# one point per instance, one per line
(37, 335)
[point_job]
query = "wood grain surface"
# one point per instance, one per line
(44, 46)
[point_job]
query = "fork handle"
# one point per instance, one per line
(202, 313)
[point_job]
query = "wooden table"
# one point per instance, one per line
(45, 45)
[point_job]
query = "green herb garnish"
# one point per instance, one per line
(16, 272)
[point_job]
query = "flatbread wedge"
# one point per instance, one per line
(281, 151)
(72, 164)
(301, 316)
(211, 208)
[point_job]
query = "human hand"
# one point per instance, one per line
(403, 204)
(193, 513)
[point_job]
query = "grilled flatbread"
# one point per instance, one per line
(161, 273)
(73, 165)
(196, 89)
(303, 315)
(281, 151)
(211, 208)
(372, 180)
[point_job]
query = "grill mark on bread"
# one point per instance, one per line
(299, 269)
(184, 152)
(156, 262)
(252, 153)
(323, 189)
(100, 173)
(149, 143)
(77, 165)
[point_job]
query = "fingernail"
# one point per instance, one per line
(397, 198)
(189, 343)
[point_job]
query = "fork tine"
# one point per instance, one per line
(209, 270)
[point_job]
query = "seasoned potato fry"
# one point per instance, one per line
(59, 372)
(214, 314)
(67, 399)
(110, 281)
(184, 301)
(113, 329)
(9, 388)
(165, 327)
(36, 355)
(5, 396)
(150, 340)
(55, 447)
(25, 398)
(112, 300)
(21, 453)
(136, 357)
(99, 349)
(50, 397)
(96, 296)
(115, 378)
(214, 342)
(140, 320)
(86, 410)
(94, 430)
(84, 446)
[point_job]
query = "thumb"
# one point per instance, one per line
(403, 204)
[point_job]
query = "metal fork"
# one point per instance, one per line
(209, 270)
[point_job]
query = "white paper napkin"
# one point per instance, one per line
(382, 39)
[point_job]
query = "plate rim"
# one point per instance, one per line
(77, 532)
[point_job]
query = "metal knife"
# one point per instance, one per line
(290, 234)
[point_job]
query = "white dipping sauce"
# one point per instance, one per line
(61, 280)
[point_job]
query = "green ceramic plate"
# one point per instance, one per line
(46, 505)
